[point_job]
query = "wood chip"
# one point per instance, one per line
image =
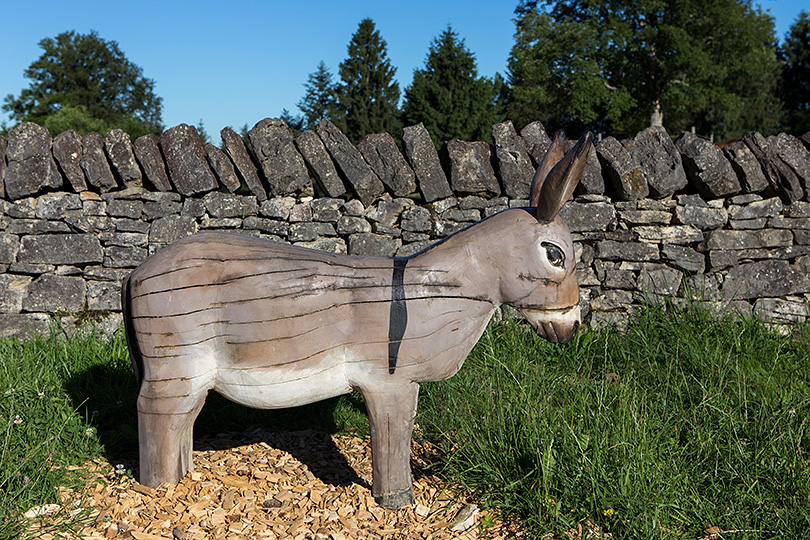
(264, 485)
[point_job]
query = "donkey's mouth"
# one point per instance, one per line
(557, 326)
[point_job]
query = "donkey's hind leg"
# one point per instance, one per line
(391, 410)
(165, 435)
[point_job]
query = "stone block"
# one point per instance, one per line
(352, 224)
(745, 164)
(588, 216)
(406, 250)
(619, 279)
(781, 177)
(683, 258)
(370, 244)
(74, 249)
(611, 250)
(158, 209)
(756, 209)
(385, 212)
(308, 231)
(67, 149)
(330, 245)
(132, 209)
(364, 183)
(673, 234)
(780, 311)
(50, 293)
(645, 217)
(470, 167)
(320, 164)
(706, 167)
(56, 206)
(300, 212)
(121, 154)
(236, 149)
(703, 218)
(103, 296)
(186, 160)
(270, 226)
(24, 325)
(223, 167)
(9, 246)
(282, 164)
(31, 167)
(94, 163)
(611, 300)
(537, 140)
(725, 239)
(3, 146)
(171, 228)
(13, 288)
(622, 171)
(381, 153)
(326, 209)
(659, 160)
(416, 219)
(659, 280)
(277, 207)
(791, 150)
(227, 205)
(149, 155)
(124, 256)
(764, 279)
(514, 163)
(424, 160)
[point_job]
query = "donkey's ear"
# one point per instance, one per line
(552, 156)
(563, 178)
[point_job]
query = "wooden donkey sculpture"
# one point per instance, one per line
(271, 325)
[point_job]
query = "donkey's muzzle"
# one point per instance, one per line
(557, 326)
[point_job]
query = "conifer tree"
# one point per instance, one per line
(319, 100)
(795, 53)
(449, 97)
(367, 97)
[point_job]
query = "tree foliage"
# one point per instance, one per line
(84, 82)
(319, 99)
(449, 97)
(795, 53)
(367, 97)
(608, 64)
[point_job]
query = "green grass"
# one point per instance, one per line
(680, 423)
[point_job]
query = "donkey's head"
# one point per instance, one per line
(546, 289)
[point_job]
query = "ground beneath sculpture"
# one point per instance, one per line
(304, 485)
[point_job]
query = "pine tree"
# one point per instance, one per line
(795, 53)
(319, 100)
(367, 96)
(449, 97)
(608, 64)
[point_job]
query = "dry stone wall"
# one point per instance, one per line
(652, 218)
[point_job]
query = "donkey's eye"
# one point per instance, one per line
(554, 254)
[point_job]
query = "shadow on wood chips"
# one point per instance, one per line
(297, 485)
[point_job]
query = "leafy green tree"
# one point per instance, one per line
(319, 100)
(84, 82)
(367, 97)
(795, 53)
(609, 64)
(449, 97)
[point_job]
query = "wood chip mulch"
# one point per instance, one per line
(297, 485)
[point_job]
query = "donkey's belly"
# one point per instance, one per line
(278, 386)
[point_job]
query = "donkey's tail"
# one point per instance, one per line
(132, 341)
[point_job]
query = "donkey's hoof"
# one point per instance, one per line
(395, 500)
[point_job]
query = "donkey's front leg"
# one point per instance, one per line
(391, 410)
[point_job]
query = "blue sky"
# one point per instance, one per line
(235, 63)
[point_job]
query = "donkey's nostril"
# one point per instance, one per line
(576, 325)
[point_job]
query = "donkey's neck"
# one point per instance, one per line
(473, 262)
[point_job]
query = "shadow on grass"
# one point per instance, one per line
(105, 394)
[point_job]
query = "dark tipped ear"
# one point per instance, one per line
(563, 178)
(554, 154)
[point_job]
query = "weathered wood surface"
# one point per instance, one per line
(271, 325)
